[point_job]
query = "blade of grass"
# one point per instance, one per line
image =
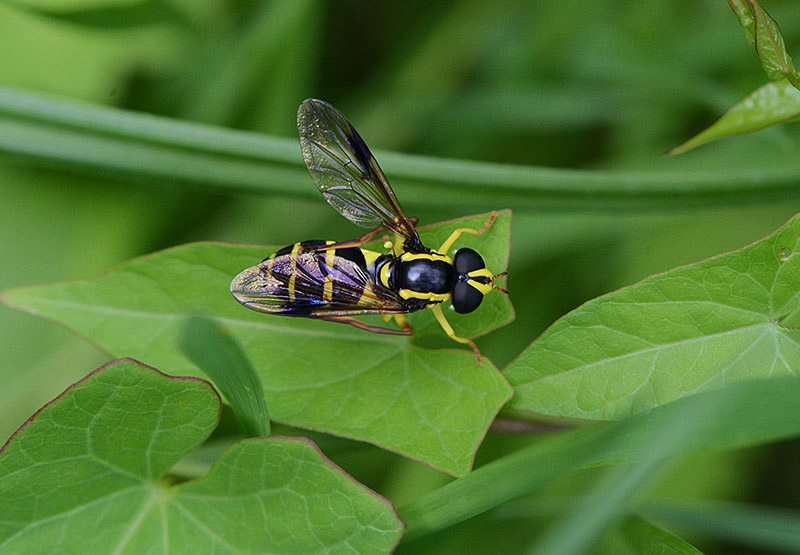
(225, 83)
(217, 353)
(588, 519)
(646, 538)
(763, 528)
(743, 414)
(145, 147)
(114, 15)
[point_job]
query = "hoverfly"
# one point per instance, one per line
(333, 281)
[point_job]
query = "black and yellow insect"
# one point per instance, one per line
(333, 281)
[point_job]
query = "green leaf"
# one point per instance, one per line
(648, 539)
(738, 415)
(762, 30)
(731, 317)
(588, 519)
(85, 475)
(432, 405)
(220, 357)
(764, 528)
(770, 104)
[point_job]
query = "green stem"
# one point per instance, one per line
(163, 151)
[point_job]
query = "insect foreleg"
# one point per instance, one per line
(457, 233)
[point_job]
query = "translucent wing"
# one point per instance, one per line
(313, 284)
(346, 172)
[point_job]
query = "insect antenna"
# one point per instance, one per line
(495, 286)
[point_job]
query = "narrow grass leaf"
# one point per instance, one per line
(219, 356)
(98, 454)
(590, 517)
(235, 69)
(429, 404)
(762, 528)
(648, 539)
(738, 415)
(587, 521)
(729, 318)
(115, 15)
(165, 152)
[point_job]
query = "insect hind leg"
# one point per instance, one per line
(361, 325)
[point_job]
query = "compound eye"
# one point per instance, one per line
(465, 297)
(467, 260)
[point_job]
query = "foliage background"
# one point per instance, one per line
(594, 86)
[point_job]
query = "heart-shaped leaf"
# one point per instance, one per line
(731, 317)
(85, 475)
(433, 405)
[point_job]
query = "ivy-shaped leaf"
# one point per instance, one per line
(86, 475)
(732, 317)
(432, 405)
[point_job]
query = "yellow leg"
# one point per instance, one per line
(402, 321)
(457, 233)
(437, 311)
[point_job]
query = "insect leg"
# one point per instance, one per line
(457, 233)
(361, 325)
(448, 329)
(402, 321)
(353, 242)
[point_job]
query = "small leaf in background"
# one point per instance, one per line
(762, 30)
(434, 405)
(85, 475)
(770, 104)
(217, 353)
(731, 317)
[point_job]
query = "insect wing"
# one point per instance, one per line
(312, 283)
(346, 172)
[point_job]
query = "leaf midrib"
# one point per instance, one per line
(640, 352)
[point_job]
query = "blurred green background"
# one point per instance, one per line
(591, 86)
